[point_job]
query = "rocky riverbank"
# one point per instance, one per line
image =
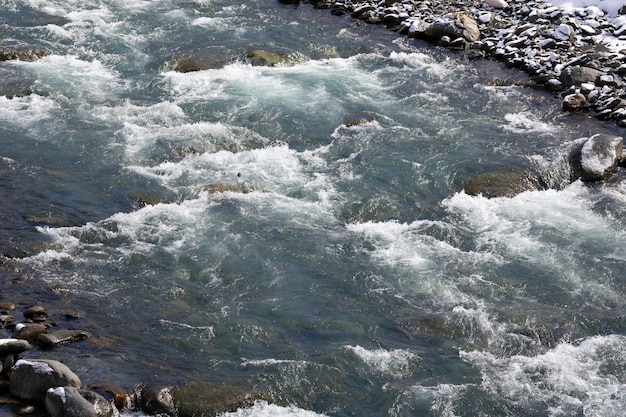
(574, 53)
(35, 386)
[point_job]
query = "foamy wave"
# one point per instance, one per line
(526, 122)
(396, 362)
(263, 409)
(586, 377)
(73, 77)
(26, 111)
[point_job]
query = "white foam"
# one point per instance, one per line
(527, 122)
(423, 62)
(397, 362)
(587, 376)
(213, 23)
(544, 228)
(74, 77)
(263, 409)
(27, 111)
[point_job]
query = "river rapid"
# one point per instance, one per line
(337, 267)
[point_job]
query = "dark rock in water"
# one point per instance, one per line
(220, 187)
(270, 59)
(72, 402)
(28, 331)
(13, 346)
(144, 198)
(35, 313)
(454, 25)
(26, 55)
(213, 399)
(50, 340)
(200, 63)
(600, 156)
(6, 321)
(356, 122)
(155, 400)
(30, 380)
(499, 184)
(196, 400)
(575, 102)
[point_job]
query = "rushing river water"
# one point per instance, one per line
(338, 268)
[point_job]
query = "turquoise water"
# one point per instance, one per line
(339, 268)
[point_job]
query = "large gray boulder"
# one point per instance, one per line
(72, 402)
(600, 155)
(31, 379)
(454, 25)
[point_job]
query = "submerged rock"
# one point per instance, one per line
(31, 379)
(200, 63)
(499, 184)
(50, 340)
(265, 58)
(196, 400)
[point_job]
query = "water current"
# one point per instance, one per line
(338, 267)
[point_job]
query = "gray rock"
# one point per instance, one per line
(12, 346)
(454, 25)
(600, 155)
(22, 55)
(28, 331)
(72, 402)
(36, 313)
(499, 184)
(578, 75)
(49, 340)
(31, 379)
(196, 400)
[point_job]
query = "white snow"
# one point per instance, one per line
(610, 7)
(59, 392)
(38, 367)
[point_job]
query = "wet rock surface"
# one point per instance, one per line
(47, 387)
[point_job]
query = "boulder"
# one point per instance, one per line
(578, 75)
(28, 331)
(72, 402)
(575, 102)
(35, 313)
(499, 184)
(600, 156)
(31, 379)
(49, 340)
(12, 347)
(196, 400)
(454, 25)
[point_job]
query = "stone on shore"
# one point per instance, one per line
(50, 340)
(72, 402)
(454, 25)
(13, 347)
(31, 379)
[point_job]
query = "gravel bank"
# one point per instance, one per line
(579, 53)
